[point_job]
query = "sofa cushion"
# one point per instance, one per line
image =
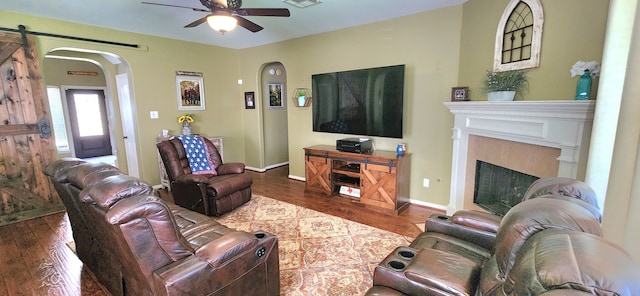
(79, 175)
(562, 259)
(52, 169)
(446, 272)
(532, 216)
(227, 184)
(561, 186)
(106, 192)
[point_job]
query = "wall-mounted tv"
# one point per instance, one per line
(366, 102)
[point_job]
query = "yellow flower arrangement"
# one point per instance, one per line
(189, 118)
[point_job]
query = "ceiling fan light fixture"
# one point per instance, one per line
(222, 22)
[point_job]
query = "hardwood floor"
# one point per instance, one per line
(36, 260)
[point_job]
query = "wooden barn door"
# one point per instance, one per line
(25, 143)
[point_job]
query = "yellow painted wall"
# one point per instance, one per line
(441, 49)
(55, 73)
(428, 43)
(154, 86)
(573, 30)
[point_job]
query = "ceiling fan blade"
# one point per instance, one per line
(263, 12)
(247, 24)
(197, 22)
(178, 6)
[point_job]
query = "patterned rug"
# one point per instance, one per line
(319, 254)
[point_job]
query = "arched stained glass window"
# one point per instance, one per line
(519, 36)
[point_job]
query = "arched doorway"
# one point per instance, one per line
(274, 115)
(63, 69)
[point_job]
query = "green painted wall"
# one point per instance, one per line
(441, 49)
(573, 30)
(153, 79)
(427, 43)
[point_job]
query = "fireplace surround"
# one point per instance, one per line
(540, 138)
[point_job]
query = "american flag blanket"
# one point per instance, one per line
(197, 155)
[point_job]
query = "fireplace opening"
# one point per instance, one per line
(497, 189)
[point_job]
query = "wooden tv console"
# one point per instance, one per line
(381, 177)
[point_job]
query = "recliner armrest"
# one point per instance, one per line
(478, 220)
(230, 168)
(223, 264)
(474, 231)
(220, 251)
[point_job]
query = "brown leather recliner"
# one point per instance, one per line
(549, 244)
(209, 194)
(138, 244)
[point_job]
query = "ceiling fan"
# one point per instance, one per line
(225, 14)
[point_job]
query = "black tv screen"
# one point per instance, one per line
(365, 102)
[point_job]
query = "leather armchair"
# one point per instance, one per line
(481, 227)
(549, 244)
(209, 194)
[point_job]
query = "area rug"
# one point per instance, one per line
(319, 254)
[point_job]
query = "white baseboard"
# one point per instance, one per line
(428, 204)
(262, 170)
(297, 178)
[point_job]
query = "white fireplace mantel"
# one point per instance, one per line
(565, 125)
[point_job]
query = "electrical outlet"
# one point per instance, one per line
(153, 114)
(425, 182)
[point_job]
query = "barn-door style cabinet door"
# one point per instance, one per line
(26, 145)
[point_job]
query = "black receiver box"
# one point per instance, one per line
(355, 145)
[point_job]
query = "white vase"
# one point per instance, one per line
(186, 128)
(506, 95)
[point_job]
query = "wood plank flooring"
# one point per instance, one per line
(35, 259)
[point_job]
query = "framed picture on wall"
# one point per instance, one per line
(249, 100)
(190, 92)
(460, 93)
(275, 98)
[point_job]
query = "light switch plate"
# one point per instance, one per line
(153, 114)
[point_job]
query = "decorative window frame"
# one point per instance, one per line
(538, 22)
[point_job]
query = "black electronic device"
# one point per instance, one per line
(365, 102)
(354, 145)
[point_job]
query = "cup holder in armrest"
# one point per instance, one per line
(396, 265)
(443, 217)
(406, 254)
(260, 235)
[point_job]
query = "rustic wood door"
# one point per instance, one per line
(379, 186)
(25, 191)
(317, 171)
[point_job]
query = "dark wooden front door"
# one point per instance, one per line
(88, 120)
(24, 189)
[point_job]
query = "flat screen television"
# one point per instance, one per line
(366, 102)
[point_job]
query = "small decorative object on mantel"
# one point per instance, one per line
(401, 149)
(503, 86)
(302, 97)
(460, 93)
(587, 72)
(186, 121)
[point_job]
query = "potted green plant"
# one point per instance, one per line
(302, 97)
(503, 86)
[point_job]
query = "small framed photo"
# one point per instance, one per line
(249, 100)
(276, 95)
(460, 93)
(190, 91)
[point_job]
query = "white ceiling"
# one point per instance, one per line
(133, 16)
